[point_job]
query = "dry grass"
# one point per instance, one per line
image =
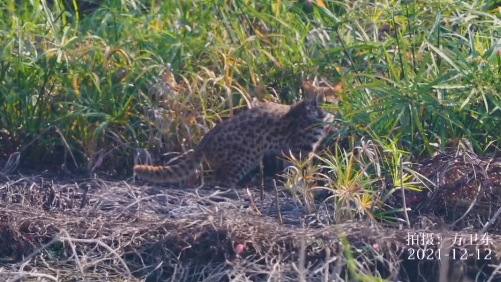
(97, 230)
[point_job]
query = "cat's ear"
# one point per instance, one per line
(320, 98)
(309, 90)
(332, 96)
(326, 93)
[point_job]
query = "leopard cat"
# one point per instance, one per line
(236, 146)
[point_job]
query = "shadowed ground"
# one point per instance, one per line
(72, 229)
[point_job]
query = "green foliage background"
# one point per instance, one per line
(76, 87)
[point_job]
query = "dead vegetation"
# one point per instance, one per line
(462, 190)
(96, 230)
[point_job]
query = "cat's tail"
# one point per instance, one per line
(182, 168)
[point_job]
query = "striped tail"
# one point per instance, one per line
(184, 166)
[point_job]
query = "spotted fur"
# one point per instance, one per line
(235, 146)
